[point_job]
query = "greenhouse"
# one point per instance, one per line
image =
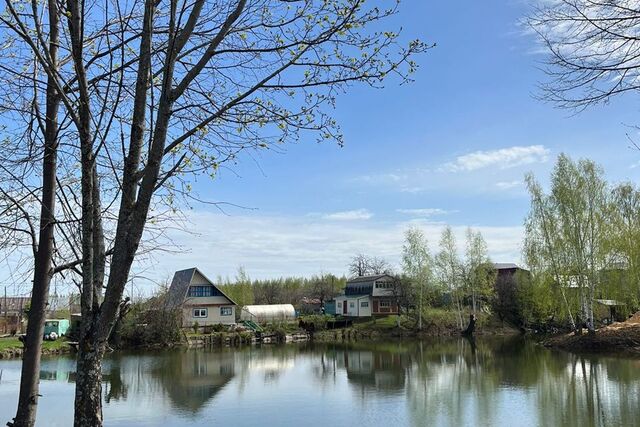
(268, 313)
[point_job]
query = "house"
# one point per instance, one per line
(506, 283)
(367, 296)
(13, 314)
(200, 300)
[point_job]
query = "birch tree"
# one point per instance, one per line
(449, 268)
(416, 264)
(156, 93)
(573, 229)
(479, 275)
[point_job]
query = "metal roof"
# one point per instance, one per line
(504, 265)
(370, 278)
(180, 286)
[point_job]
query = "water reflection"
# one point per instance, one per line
(443, 382)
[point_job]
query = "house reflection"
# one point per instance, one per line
(191, 379)
(374, 370)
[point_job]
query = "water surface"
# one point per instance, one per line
(494, 382)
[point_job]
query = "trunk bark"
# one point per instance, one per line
(471, 327)
(88, 403)
(30, 374)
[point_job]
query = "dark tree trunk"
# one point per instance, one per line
(30, 374)
(471, 327)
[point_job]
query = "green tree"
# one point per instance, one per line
(479, 275)
(567, 230)
(417, 264)
(449, 270)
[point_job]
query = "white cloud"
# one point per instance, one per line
(502, 158)
(507, 185)
(412, 190)
(382, 178)
(424, 212)
(274, 246)
(354, 215)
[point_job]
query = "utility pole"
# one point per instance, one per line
(5, 309)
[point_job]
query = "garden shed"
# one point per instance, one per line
(268, 313)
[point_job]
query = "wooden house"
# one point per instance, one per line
(367, 296)
(200, 300)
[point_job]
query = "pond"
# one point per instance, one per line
(492, 382)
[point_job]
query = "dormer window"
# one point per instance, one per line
(201, 291)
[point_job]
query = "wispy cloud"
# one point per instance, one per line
(353, 215)
(382, 178)
(274, 246)
(502, 158)
(424, 212)
(508, 185)
(412, 190)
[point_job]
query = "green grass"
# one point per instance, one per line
(378, 324)
(13, 343)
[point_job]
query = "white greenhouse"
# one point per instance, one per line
(268, 313)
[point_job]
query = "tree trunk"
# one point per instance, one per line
(30, 374)
(471, 327)
(88, 403)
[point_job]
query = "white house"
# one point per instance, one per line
(367, 296)
(200, 300)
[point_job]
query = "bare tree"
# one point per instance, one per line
(363, 265)
(593, 46)
(324, 287)
(155, 93)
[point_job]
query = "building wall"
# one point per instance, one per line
(354, 306)
(380, 290)
(392, 308)
(213, 315)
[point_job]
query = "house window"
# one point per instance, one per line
(364, 304)
(226, 311)
(352, 304)
(204, 291)
(339, 305)
(201, 291)
(200, 312)
(385, 304)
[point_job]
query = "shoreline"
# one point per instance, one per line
(611, 340)
(617, 339)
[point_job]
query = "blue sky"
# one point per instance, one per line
(425, 154)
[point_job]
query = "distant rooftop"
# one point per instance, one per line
(505, 265)
(369, 278)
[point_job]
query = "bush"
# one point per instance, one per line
(318, 321)
(144, 326)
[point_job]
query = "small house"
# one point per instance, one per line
(13, 313)
(367, 296)
(200, 301)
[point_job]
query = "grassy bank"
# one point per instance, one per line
(12, 347)
(436, 322)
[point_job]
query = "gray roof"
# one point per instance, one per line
(180, 286)
(504, 265)
(371, 278)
